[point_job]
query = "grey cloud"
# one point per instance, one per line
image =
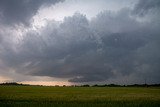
(108, 23)
(21, 11)
(144, 6)
(80, 50)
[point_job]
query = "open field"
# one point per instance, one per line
(31, 96)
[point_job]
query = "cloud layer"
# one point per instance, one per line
(110, 45)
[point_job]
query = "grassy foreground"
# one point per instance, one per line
(32, 96)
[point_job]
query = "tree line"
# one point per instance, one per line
(86, 85)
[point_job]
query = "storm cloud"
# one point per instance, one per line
(21, 11)
(110, 45)
(144, 6)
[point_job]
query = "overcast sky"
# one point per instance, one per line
(69, 42)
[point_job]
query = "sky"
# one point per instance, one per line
(68, 42)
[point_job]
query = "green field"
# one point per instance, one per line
(32, 96)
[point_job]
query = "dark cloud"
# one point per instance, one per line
(21, 11)
(82, 50)
(144, 6)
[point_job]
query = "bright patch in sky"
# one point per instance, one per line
(90, 8)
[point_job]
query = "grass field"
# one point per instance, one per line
(32, 96)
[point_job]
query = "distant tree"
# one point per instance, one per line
(95, 85)
(86, 85)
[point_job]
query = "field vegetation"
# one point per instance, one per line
(49, 96)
